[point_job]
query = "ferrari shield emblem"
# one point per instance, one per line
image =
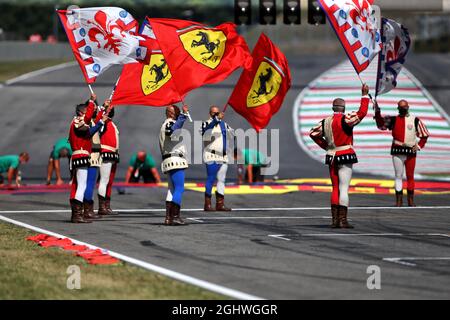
(265, 85)
(205, 46)
(155, 74)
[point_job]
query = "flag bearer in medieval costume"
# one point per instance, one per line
(217, 135)
(80, 138)
(95, 163)
(405, 128)
(174, 161)
(109, 140)
(335, 135)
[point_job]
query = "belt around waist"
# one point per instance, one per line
(216, 152)
(403, 144)
(340, 148)
(109, 148)
(78, 152)
(167, 156)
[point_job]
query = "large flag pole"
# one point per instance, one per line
(114, 89)
(362, 82)
(90, 88)
(225, 107)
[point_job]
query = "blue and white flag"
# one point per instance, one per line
(396, 43)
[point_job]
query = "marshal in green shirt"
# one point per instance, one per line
(61, 144)
(148, 163)
(9, 161)
(253, 157)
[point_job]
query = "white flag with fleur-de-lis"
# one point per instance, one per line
(101, 37)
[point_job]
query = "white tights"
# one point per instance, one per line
(105, 172)
(399, 166)
(82, 174)
(345, 176)
(221, 175)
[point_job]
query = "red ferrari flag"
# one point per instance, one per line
(146, 84)
(149, 83)
(260, 91)
(197, 54)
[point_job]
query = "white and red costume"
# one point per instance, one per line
(405, 131)
(109, 139)
(335, 135)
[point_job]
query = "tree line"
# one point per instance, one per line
(20, 20)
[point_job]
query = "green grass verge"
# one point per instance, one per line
(28, 271)
(12, 69)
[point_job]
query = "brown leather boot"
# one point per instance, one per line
(88, 211)
(342, 214)
(398, 198)
(411, 198)
(220, 203)
(77, 212)
(334, 216)
(177, 221)
(102, 210)
(169, 218)
(208, 206)
(108, 207)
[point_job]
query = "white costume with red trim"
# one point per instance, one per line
(405, 131)
(335, 135)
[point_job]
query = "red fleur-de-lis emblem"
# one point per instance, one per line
(394, 54)
(105, 27)
(360, 14)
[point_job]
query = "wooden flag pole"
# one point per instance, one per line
(114, 89)
(225, 107)
(90, 88)
(362, 82)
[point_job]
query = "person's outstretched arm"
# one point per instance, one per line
(354, 118)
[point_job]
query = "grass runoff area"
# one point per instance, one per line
(28, 271)
(12, 69)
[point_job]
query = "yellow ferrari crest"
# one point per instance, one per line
(265, 85)
(205, 46)
(155, 74)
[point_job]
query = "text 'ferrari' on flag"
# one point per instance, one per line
(396, 44)
(260, 91)
(197, 54)
(356, 27)
(102, 36)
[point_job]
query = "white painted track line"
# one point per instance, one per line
(404, 261)
(329, 235)
(279, 236)
(250, 217)
(375, 235)
(40, 72)
(244, 209)
(166, 272)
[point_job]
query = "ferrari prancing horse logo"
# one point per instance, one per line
(265, 85)
(205, 46)
(155, 74)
